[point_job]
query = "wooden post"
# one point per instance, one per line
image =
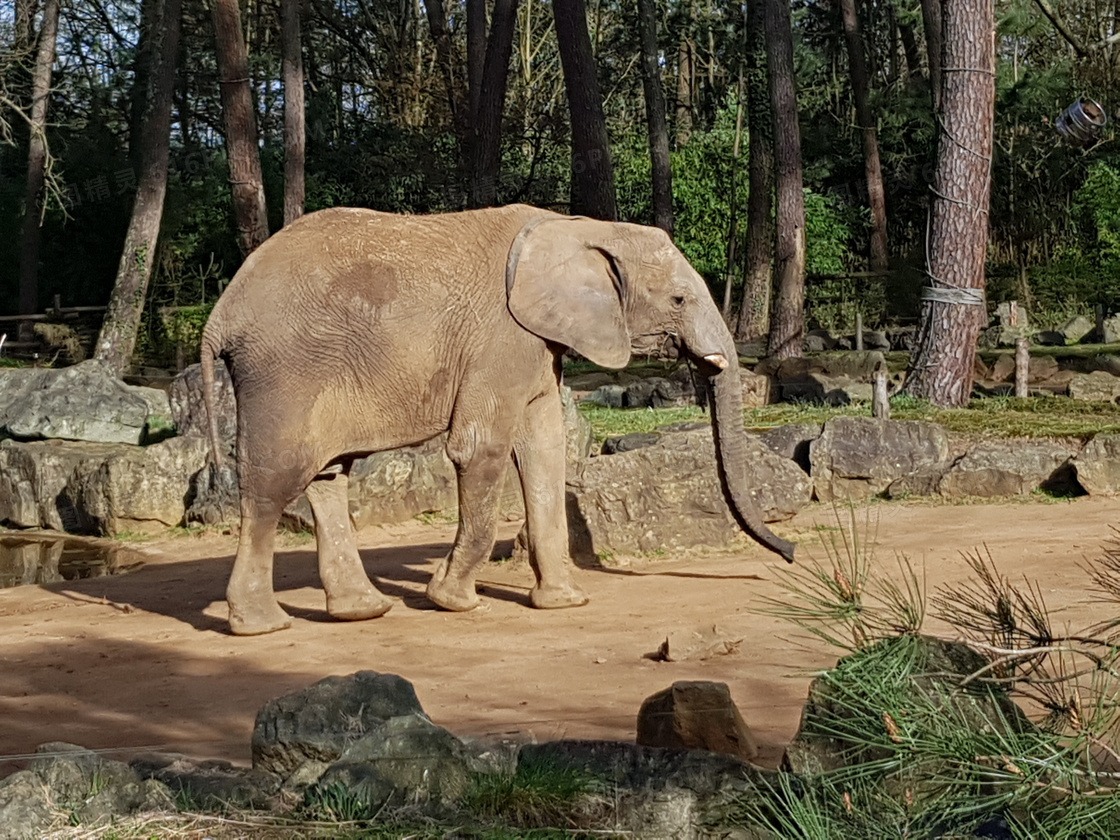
(859, 330)
(57, 305)
(1022, 365)
(880, 402)
(1099, 337)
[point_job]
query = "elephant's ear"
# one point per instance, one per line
(565, 284)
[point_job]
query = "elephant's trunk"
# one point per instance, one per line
(713, 348)
(731, 452)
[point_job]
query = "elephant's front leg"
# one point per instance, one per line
(350, 595)
(541, 463)
(481, 467)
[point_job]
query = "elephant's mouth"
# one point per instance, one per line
(663, 346)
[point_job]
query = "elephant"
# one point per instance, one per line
(353, 331)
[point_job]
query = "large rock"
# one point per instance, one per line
(82, 402)
(858, 457)
(1098, 466)
(93, 789)
(209, 783)
(188, 410)
(320, 722)
(1099, 386)
(695, 715)
(668, 496)
(792, 441)
(97, 487)
(1011, 468)
(405, 760)
(26, 810)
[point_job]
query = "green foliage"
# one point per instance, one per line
(608, 422)
(539, 795)
(1098, 201)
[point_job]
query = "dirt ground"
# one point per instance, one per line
(144, 660)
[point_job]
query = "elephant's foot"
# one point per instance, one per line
(359, 604)
(257, 619)
(557, 597)
(454, 594)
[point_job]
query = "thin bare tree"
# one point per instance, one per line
(295, 131)
(126, 303)
(240, 117)
(754, 312)
(487, 120)
(656, 121)
(37, 159)
(861, 92)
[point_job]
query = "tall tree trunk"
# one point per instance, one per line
(295, 132)
(754, 313)
(935, 37)
(487, 135)
(656, 122)
(910, 50)
(241, 127)
(953, 308)
(733, 214)
(476, 53)
(787, 325)
(450, 70)
(126, 304)
(37, 160)
(684, 85)
(877, 198)
(593, 192)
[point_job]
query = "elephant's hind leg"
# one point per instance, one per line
(350, 594)
(253, 608)
(481, 468)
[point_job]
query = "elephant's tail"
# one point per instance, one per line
(210, 351)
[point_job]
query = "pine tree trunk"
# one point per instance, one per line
(754, 312)
(656, 122)
(684, 91)
(931, 20)
(593, 192)
(37, 160)
(877, 199)
(487, 137)
(941, 366)
(240, 119)
(295, 133)
(787, 326)
(126, 304)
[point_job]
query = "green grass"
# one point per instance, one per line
(610, 422)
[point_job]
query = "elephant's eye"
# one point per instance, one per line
(678, 300)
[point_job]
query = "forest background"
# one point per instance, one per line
(384, 130)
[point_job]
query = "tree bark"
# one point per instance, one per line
(240, 118)
(476, 53)
(487, 135)
(37, 160)
(593, 192)
(941, 366)
(684, 88)
(117, 340)
(754, 312)
(450, 70)
(935, 37)
(787, 326)
(857, 64)
(295, 132)
(656, 122)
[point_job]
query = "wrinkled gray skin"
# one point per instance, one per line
(352, 331)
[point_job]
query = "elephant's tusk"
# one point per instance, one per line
(717, 359)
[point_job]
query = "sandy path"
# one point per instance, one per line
(144, 660)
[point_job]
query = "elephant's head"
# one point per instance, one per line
(606, 289)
